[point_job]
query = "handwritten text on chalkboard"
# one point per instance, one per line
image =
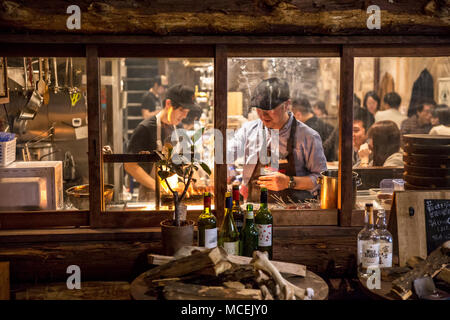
(437, 221)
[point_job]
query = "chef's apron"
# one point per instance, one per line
(145, 194)
(285, 166)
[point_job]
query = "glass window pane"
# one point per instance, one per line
(393, 97)
(48, 115)
(264, 96)
(145, 105)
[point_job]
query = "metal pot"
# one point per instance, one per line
(329, 188)
(40, 151)
(79, 195)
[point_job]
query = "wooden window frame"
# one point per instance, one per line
(93, 48)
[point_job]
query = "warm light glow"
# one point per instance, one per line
(169, 115)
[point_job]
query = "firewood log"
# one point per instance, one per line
(434, 263)
(183, 291)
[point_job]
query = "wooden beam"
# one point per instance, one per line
(43, 50)
(96, 201)
(410, 50)
(19, 42)
(259, 50)
(4, 281)
(39, 220)
(121, 158)
(158, 50)
(220, 123)
(345, 179)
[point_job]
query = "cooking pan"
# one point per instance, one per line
(33, 103)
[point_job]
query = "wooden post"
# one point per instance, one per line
(4, 280)
(96, 203)
(220, 123)
(345, 185)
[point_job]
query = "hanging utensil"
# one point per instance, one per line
(40, 85)
(25, 75)
(35, 100)
(55, 69)
(66, 79)
(46, 94)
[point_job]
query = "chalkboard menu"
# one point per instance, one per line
(437, 222)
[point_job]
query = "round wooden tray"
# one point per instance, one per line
(426, 171)
(140, 291)
(420, 160)
(442, 182)
(427, 149)
(425, 139)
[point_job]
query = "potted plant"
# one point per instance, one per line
(176, 233)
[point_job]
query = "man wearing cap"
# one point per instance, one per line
(300, 153)
(152, 133)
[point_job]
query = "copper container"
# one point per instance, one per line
(329, 188)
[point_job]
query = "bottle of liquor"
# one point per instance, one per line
(385, 241)
(264, 221)
(370, 244)
(238, 215)
(249, 234)
(363, 234)
(207, 225)
(228, 235)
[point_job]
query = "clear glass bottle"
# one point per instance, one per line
(264, 222)
(249, 234)
(369, 241)
(238, 215)
(207, 225)
(385, 240)
(363, 234)
(228, 235)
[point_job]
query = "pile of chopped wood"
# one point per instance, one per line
(212, 274)
(435, 264)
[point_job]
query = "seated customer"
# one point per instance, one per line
(320, 110)
(393, 101)
(371, 102)
(384, 145)
(302, 111)
(360, 128)
(442, 113)
(419, 122)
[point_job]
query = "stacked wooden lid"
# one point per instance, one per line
(427, 161)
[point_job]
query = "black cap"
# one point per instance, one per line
(181, 96)
(270, 93)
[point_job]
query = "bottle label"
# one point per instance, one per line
(370, 254)
(386, 255)
(210, 238)
(264, 235)
(239, 224)
(360, 250)
(249, 215)
(231, 247)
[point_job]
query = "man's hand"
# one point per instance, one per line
(274, 182)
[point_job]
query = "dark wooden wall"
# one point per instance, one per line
(256, 17)
(329, 251)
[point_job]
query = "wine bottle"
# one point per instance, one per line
(264, 221)
(228, 235)
(249, 235)
(207, 225)
(238, 215)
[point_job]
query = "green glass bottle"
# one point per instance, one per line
(207, 225)
(228, 234)
(238, 215)
(249, 235)
(264, 221)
